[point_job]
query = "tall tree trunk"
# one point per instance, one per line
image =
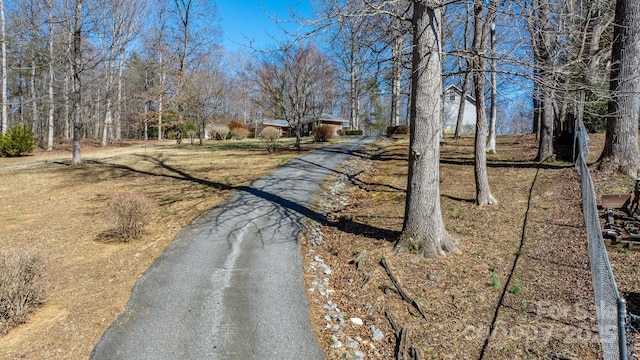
(396, 69)
(35, 118)
(535, 129)
(146, 120)
(423, 229)
(463, 101)
(108, 120)
(465, 82)
(545, 78)
(160, 103)
(3, 49)
(66, 91)
(50, 123)
(119, 100)
(298, 133)
(354, 94)
(483, 193)
(77, 85)
(546, 122)
(491, 144)
(621, 144)
(161, 100)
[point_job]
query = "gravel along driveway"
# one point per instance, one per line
(230, 284)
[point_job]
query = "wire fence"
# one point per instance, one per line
(610, 307)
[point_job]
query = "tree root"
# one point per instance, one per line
(401, 291)
(403, 350)
(408, 242)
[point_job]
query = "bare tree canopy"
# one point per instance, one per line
(296, 84)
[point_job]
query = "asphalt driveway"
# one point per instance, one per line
(230, 285)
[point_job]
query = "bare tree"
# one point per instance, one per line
(570, 43)
(481, 30)
(50, 122)
(423, 229)
(158, 49)
(399, 56)
(298, 85)
(350, 34)
(203, 97)
(3, 69)
(77, 84)
(621, 145)
(491, 143)
(118, 22)
(196, 40)
(543, 63)
(464, 67)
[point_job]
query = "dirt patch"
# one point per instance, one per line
(521, 288)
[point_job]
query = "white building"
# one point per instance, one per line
(452, 96)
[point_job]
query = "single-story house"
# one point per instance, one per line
(338, 124)
(452, 97)
(281, 124)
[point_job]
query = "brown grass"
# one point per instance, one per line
(55, 210)
(523, 268)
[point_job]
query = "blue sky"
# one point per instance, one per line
(248, 18)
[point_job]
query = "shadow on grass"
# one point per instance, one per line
(110, 236)
(500, 303)
(509, 164)
(354, 180)
(172, 172)
(469, 201)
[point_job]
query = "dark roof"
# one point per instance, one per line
(329, 118)
(322, 117)
(274, 122)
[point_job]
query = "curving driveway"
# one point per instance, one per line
(230, 284)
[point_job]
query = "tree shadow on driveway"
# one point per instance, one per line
(289, 207)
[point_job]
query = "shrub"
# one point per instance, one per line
(191, 130)
(239, 133)
(22, 287)
(18, 141)
(130, 213)
(322, 133)
(353, 132)
(236, 125)
(270, 136)
(397, 130)
(220, 132)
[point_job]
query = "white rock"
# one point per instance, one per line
(377, 333)
(357, 321)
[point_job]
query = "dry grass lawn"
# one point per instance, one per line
(523, 271)
(56, 211)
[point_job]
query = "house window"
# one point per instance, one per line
(452, 97)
